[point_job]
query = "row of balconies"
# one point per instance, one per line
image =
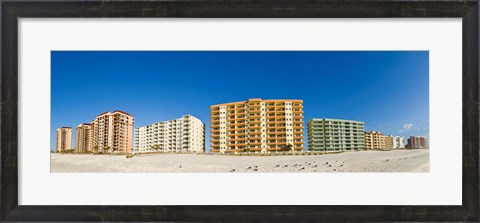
(337, 142)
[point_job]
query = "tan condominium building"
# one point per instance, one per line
(84, 138)
(374, 140)
(256, 125)
(388, 140)
(64, 139)
(185, 134)
(113, 132)
(394, 142)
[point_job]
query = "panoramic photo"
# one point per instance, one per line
(239, 111)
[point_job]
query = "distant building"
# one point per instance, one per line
(256, 125)
(388, 142)
(335, 135)
(417, 142)
(113, 132)
(84, 138)
(398, 142)
(374, 140)
(185, 134)
(64, 139)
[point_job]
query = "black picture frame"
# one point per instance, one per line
(466, 9)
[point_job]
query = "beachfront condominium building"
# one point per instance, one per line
(374, 140)
(398, 142)
(64, 139)
(388, 142)
(185, 134)
(84, 138)
(256, 125)
(335, 135)
(417, 142)
(113, 132)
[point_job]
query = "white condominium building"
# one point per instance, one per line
(185, 134)
(398, 142)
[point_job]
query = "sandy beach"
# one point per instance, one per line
(363, 161)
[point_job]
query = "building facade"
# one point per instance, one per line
(84, 138)
(335, 135)
(417, 142)
(185, 134)
(63, 139)
(398, 142)
(374, 140)
(388, 142)
(113, 132)
(258, 126)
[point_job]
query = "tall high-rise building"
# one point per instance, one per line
(113, 132)
(64, 139)
(84, 138)
(185, 134)
(374, 140)
(417, 142)
(335, 135)
(257, 125)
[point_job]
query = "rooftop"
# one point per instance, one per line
(257, 99)
(333, 119)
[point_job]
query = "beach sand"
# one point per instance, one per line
(362, 161)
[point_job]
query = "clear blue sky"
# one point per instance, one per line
(388, 90)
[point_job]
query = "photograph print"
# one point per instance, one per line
(239, 111)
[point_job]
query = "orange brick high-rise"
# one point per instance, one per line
(113, 132)
(256, 125)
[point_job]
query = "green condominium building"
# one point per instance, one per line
(335, 135)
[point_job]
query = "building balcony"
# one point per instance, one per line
(255, 149)
(254, 110)
(276, 137)
(255, 127)
(254, 105)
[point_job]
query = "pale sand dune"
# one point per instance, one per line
(364, 161)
